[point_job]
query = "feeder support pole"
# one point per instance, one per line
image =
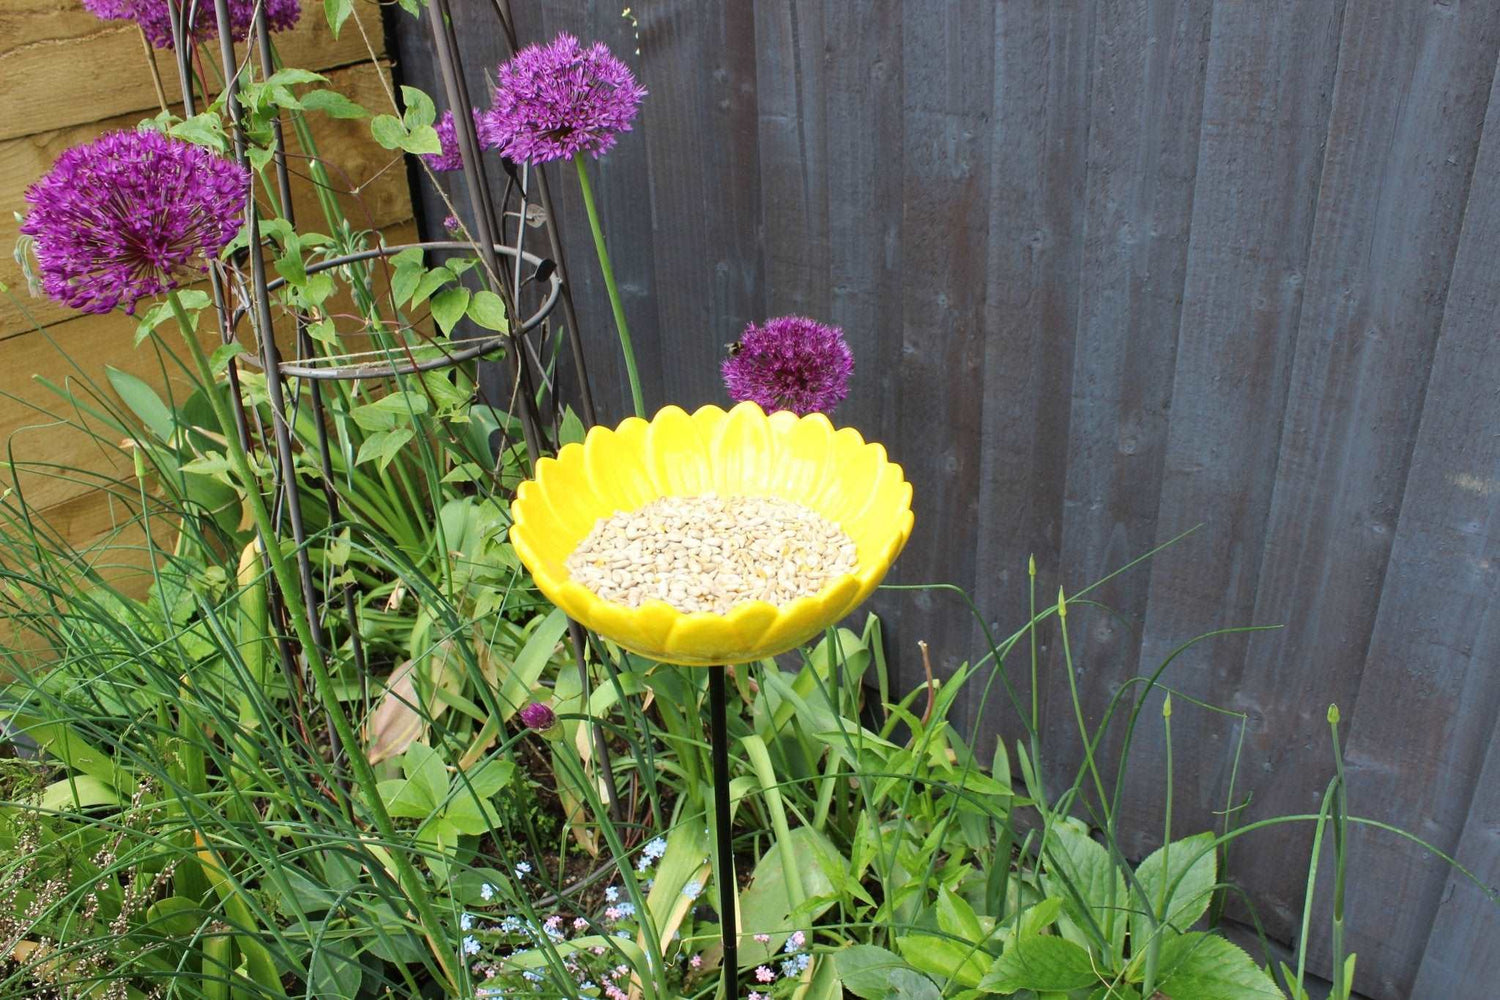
(728, 926)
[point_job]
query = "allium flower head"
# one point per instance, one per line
(156, 21)
(556, 100)
(450, 158)
(539, 716)
(131, 215)
(790, 363)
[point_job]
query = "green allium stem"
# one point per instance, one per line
(1159, 916)
(291, 594)
(1341, 988)
(609, 283)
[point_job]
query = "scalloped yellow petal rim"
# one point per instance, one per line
(738, 452)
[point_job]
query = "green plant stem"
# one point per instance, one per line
(291, 594)
(1083, 731)
(1158, 917)
(765, 774)
(1341, 988)
(609, 283)
(1299, 989)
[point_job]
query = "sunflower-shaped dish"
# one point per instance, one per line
(741, 452)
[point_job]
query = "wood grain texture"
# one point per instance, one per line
(103, 532)
(53, 448)
(60, 65)
(1268, 89)
(1111, 269)
(948, 73)
(1410, 97)
(704, 187)
(792, 46)
(1148, 63)
(863, 65)
(373, 196)
(1034, 226)
(1460, 951)
(1429, 693)
(40, 431)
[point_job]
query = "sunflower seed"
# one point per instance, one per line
(709, 553)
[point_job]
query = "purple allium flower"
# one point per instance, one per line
(131, 215)
(556, 100)
(450, 158)
(790, 363)
(156, 22)
(539, 716)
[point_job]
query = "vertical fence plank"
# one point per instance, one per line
(948, 69)
(1461, 948)
(791, 50)
(864, 75)
(1430, 692)
(1410, 98)
(1035, 235)
(1265, 111)
(1149, 62)
(705, 187)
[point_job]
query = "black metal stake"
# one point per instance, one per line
(305, 347)
(719, 736)
(487, 224)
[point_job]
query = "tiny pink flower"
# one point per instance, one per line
(763, 974)
(763, 938)
(696, 962)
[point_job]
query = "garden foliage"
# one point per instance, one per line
(199, 803)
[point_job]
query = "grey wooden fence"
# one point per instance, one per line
(1111, 270)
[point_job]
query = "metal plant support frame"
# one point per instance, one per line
(499, 261)
(315, 369)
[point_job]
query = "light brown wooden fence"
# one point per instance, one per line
(66, 76)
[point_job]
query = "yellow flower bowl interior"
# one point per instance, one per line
(741, 452)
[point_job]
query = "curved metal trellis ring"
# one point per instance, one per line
(387, 366)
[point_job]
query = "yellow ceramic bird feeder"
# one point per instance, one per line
(742, 452)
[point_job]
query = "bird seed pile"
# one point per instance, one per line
(709, 553)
